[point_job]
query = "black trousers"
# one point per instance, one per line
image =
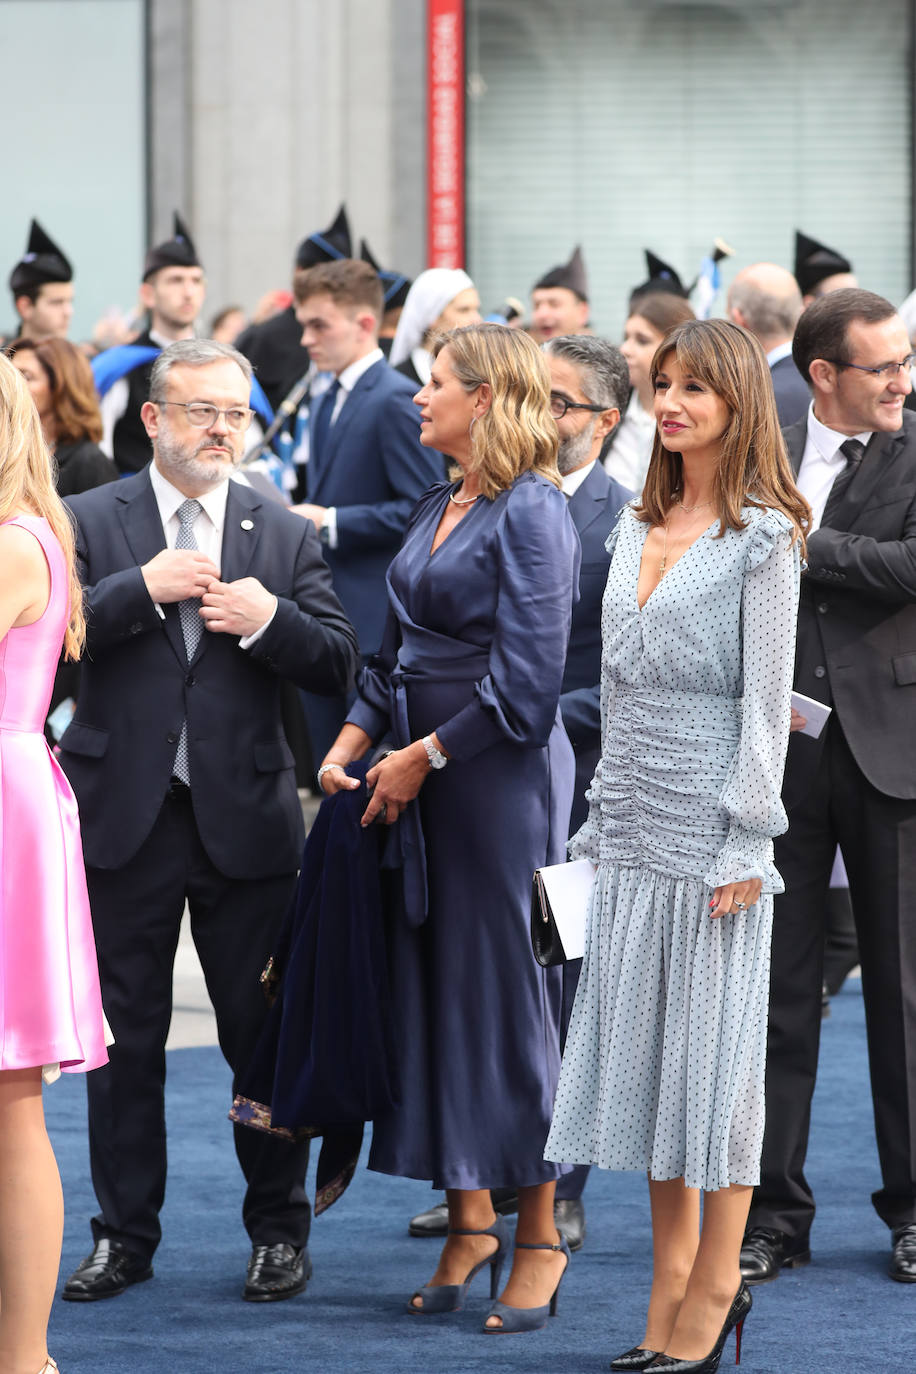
(877, 837)
(137, 913)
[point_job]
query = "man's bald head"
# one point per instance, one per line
(765, 299)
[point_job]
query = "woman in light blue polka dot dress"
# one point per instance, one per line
(664, 1062)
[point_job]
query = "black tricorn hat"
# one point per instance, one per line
(814, 262)
(569, 274)
(326, 245)
(394, 284)
(178, 251)
(662, 277)
(43, 262)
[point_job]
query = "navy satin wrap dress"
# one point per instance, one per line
(474, 649)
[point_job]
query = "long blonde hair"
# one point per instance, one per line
(517, 433)
(27, 484)
(753, 469)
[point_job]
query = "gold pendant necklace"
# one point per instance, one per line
(690, 510)
(663, 565)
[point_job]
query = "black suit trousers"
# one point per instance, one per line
(877, 837)
(137, 912)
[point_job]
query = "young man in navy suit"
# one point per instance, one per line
(590, 384)
(200, 599)
(366, 467)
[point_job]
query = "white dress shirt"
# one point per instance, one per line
(207, 528)
(822, 462)
(628, 459)
(347, 379)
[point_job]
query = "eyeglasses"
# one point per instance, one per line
(560, 404)
(887, 370)
(204, 416)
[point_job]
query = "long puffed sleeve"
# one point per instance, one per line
(538, 574)
(751, 794)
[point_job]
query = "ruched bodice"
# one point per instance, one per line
(50, 1008)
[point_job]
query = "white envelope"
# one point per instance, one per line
(814, 712)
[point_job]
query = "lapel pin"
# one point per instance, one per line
(247, 524)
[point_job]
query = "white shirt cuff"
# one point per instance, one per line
(330, 524)
(247, 640)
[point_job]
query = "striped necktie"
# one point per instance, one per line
(192, 627)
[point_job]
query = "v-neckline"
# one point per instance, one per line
(433, 551)
(693, 543)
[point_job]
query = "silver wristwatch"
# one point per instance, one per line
(436, 758)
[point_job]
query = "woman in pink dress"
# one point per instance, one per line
(50, 1008)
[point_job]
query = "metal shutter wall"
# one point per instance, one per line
(663, 123)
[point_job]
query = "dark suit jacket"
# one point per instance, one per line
(594, 509)
(137, 687)
(374, 471)
(857, 617)
(793, 395)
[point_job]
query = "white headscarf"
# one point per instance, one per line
(426, 300)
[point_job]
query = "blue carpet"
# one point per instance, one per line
(840, 1314)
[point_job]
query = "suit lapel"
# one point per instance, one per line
(880, 452)
(587, 504)
(340, 426)
(241, 531)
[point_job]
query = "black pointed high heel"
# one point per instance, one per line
(637, 1358)
(449, 1297)
(710, 1363)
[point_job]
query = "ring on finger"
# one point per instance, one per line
(741, 906)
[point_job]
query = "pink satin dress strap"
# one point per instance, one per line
(50, 1006)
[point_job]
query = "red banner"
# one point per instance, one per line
(445, 133)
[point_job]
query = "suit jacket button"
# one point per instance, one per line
(190, 680)
(822, 607)
(135, 629)
(171, 738)
(820, 672)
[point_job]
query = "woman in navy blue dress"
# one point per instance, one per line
(467, 684)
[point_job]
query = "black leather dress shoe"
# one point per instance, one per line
(276, 1272)
(765, 1252)
(106, 1272)
(903, 1260)
(569, 1219)
(434, 1223)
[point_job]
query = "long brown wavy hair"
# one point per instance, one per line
(517, 433)
(27, 484)
(74, 399)
(753, 468)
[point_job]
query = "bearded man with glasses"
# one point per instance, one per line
(855, 785)
(201, 598)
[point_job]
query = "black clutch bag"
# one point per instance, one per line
(560, 899)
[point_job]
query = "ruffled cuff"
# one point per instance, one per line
(745, 855)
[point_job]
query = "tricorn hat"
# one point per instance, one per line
(42, 262)
(814, 262)
(326, 245)
(178, 251)
(569, 274)
(662, 277)
(394, 284)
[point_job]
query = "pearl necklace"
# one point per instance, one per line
(465, 501)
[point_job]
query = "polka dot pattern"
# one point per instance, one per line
(664, 1061)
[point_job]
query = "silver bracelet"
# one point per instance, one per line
(326, 768)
